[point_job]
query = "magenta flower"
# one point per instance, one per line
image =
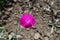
(27, 20)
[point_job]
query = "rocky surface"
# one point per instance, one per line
(41, 31)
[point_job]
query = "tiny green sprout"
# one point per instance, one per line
(18, 23)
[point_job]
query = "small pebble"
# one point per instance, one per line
(27, 29)
(26, 0)
(15, 22)
(0, 21)
(26, 11)
(19, 36)
(36, 36)
(10, 9)
(46, 38)
(58, 31)
(57, 20)
(7, 13)
(13, 34)
(14, 0)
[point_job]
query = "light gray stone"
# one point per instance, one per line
(36, 36)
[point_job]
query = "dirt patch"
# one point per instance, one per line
(9, 19)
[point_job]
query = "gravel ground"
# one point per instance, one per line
(40, 31)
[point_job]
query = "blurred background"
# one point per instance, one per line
(46, 13)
